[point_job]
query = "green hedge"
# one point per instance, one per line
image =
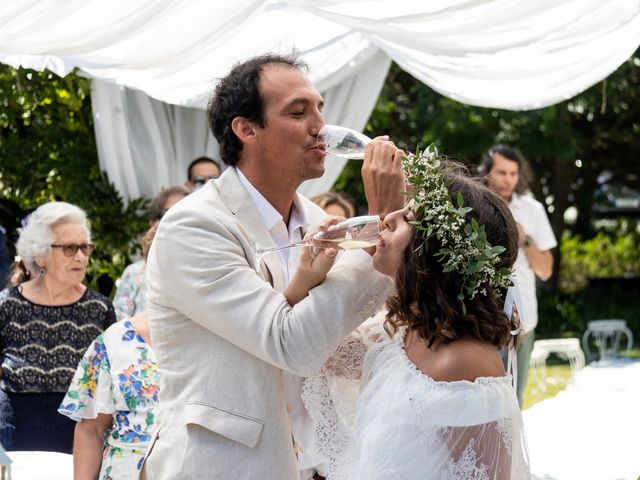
(566, 315)
(599, 278)
(613, 254)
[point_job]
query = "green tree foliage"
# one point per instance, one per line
(603, 256)
(48, 152)
(568, 144)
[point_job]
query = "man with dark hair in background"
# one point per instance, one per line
(200, 171)
(507, 172)
(230, 348)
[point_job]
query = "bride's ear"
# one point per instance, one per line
(244, 129)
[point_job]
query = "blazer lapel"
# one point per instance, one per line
(240, 203)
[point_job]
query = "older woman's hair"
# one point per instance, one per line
(37, 236)
(343, 200)
(156, 207)
(426, 297)
(147, 240)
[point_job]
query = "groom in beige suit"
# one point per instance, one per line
(225, 335)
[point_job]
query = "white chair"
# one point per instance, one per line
(565, 348)
(606, 337)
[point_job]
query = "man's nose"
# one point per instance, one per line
(316, 127)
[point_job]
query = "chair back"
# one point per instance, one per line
(606, 336)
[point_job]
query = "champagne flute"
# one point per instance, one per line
(356, 232)
(343, 142)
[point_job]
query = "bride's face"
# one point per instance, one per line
(393, 241)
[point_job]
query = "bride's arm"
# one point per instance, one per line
(489, 446)
(348, 358)
(311, 272)
(313, 267)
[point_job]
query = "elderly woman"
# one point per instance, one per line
(113, 396)
(47, 321)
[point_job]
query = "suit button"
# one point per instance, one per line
(289, 409)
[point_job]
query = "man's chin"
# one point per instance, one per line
(315, 170)
(505, 194)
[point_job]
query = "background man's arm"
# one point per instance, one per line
(541, 261)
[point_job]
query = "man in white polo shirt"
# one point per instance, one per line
(507, 173)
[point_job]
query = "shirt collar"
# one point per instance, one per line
(514, 198)
(270, 216)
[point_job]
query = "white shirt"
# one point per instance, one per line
(531, 214)
(302, 426)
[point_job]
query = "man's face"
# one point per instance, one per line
(504, 176)
(287, 144)
(201, 173)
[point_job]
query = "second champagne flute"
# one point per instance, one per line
(356, 232)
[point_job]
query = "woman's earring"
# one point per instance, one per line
(42, 271)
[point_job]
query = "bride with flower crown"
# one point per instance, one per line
(420, 391)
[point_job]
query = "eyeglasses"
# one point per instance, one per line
(70, 249)
(200, 180)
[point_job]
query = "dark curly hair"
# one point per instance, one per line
(525, 173)
(238, 95)
(426, 297)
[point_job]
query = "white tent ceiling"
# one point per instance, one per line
(514, 54)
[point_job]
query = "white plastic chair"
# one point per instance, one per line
(606, 337)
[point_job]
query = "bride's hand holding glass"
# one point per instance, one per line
(314, 265)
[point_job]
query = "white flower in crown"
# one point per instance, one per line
(465, 249)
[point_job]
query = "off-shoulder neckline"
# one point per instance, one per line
(398, 343)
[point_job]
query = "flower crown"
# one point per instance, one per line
(465, 249)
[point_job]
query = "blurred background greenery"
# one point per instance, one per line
(48, 151)
(584, 152)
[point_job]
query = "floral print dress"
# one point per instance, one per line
(118, 375)
(131, 294)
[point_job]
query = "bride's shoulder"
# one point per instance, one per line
(464, 360)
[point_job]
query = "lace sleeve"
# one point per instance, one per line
(330, 394)
(494, 450)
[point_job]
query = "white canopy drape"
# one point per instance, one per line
(513, 54)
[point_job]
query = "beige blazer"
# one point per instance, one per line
(223, 334)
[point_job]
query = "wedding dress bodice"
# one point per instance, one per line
(406, 426)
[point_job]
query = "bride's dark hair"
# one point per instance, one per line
(426, 297)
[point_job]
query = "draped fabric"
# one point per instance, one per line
(145, 144)
(512, 54)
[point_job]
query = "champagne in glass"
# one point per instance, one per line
(343, 142)
(356, 232)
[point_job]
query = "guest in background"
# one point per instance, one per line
(113, 396)
(131, 293)
(336, 203)
(200, 171)
(47, 321)
(507, 173)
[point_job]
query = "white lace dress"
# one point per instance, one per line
(406, 426)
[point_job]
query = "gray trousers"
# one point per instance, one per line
(525, 346)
